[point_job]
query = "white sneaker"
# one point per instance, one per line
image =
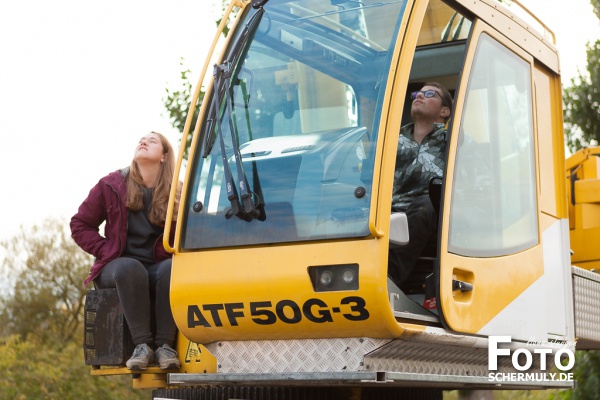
(142, 356)
(166, 357)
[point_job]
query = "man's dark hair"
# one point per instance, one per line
(446, 96)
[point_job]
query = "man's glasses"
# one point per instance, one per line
(427, 93)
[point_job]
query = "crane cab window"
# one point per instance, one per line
(493, 210)
(292, 123)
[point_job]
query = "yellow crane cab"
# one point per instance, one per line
(280, 267)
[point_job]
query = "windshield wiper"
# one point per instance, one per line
(238, 50)
(247, 209)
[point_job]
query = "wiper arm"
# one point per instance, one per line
(238, 50)
(249, 210)
(223, 73)
(232, 194)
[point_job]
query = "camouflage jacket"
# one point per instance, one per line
(416, 164)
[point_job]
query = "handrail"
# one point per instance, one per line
(188, 123)
(532, 15)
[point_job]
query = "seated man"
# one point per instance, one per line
(421, 156)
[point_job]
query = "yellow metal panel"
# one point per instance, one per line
(497, 281)
(588, 191)
(190, 117)
(149, 381)
(548, 117)
(585, 236)
(559, 148)
(591, 265)
(391, 115)
(266, 293)
(151, 378)
(574, 160)
(581, 156)
(108, 371)
(590, 167)
(194, 357)
(585, 213)
(242, 278)
(502, 19)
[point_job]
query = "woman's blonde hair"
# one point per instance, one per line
(160, 197)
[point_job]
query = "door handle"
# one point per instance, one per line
(462, 286)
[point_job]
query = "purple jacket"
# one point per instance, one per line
(106, 202)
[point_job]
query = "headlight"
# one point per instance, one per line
(326, 278)
(348, 276)
(332, 278)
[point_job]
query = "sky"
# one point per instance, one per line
(81, 81)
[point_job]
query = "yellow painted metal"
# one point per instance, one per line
(231, 295)
(108, 371)
(239, 4)
(558, 154)
(518, 31)
(497, 281)
(580, 157)
(194, 357)
(539, 21)
(149, 381)
(389, 127)
(583, 183)
(587, 191)
(550, 143)
(151, 378)
(278, 274)
(205, 283)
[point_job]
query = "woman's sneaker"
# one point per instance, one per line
(167, 357)
(142, 356)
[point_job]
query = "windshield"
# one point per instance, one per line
(285, 147)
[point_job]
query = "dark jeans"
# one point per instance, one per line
(421, 218)
(144, 295)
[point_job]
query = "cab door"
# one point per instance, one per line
(490, 251)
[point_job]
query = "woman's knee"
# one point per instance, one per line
(164, 268)
(127, 269)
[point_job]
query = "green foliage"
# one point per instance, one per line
(582, 104)
(582, 129)
(41, 313)
(549, 394)
(177, 103)
(33, 370)
(45, 297)
(582, 100)
(596, 6)
(227, 28)
(587, 374)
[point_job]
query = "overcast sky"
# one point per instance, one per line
(82, 80)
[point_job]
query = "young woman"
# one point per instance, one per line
(130, 255)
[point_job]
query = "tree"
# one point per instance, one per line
(45, 297)
(582, 129)
(177, 102)
(582, 100)
(587, 373)
(41, 312)
(33, 370)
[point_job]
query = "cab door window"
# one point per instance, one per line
(493, 207)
